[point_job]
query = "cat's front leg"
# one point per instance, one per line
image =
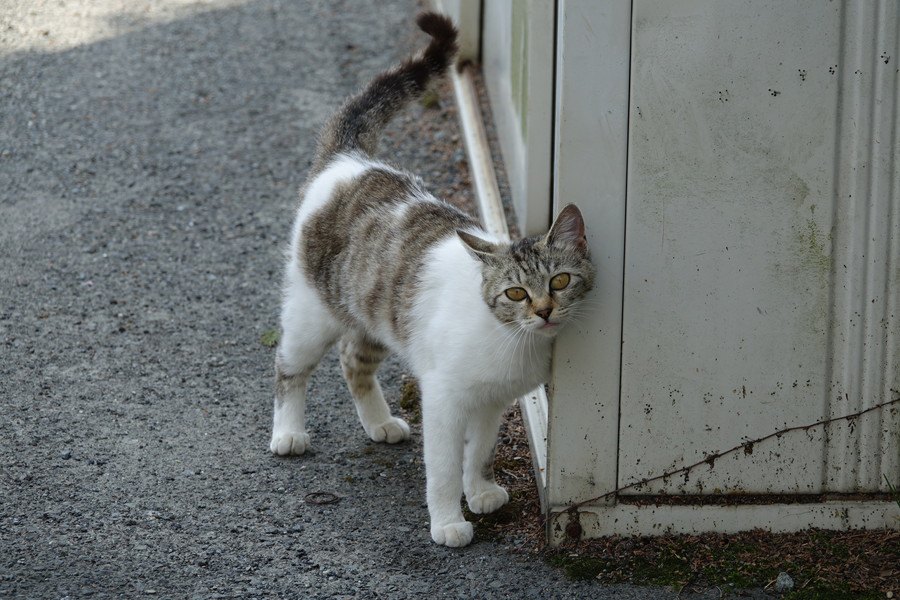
(444, 430)
(482, 492)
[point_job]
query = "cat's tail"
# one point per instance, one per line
(359, 122)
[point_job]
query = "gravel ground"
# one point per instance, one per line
(150, 154)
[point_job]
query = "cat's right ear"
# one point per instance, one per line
(481, 249)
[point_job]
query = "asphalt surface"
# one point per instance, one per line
(150, 157)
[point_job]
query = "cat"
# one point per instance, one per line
(378, 264)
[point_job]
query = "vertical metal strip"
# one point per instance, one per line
(590, 163)
(890, 313)
(841, 449)
(868, 348)
(863, 330)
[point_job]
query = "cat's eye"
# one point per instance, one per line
(516, 294)
(560, 282)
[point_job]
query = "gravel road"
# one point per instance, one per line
(150, 156)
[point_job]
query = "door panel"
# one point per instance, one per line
(741, 246)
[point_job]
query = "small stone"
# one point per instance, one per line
(783, 583)
(66, 454)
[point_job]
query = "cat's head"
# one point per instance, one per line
(536, 282)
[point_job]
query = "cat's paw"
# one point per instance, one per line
(391, 431)
(289, 442)
(488, 500)
(454, 535)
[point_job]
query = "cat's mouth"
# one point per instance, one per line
(548, 328)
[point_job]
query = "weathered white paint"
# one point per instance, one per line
(592, 65)
(865, 326)
(630, 519)
(744, 248)
(517, 56)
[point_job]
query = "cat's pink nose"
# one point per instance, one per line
(544, 313)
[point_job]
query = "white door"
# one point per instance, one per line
(762, 252)
(517, 57)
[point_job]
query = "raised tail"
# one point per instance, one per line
(359, 122)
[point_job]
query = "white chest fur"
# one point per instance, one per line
(457, 334)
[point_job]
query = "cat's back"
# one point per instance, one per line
(363, 232)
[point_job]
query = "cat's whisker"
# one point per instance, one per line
(509, 350)
(532, 353)
(579, 309)
(589, 303)
(520, 341)
(511, 342)
(510, 331)
(508, 343)
(502, 325)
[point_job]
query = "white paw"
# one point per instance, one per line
(392, 431)
(453, 535)
(488, 500)
(290, 442)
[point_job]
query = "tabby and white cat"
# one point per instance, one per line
(377, 263)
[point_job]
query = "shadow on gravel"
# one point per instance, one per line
(146, 190)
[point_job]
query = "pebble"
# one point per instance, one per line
(66, 454)
(784, 583)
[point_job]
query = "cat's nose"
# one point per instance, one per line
(544, 313)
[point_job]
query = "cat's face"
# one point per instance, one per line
(536, 283)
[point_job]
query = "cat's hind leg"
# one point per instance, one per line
(483, 495)
(308, 330)
(360, 357)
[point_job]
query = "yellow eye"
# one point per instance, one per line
(516, 294)
(560, 282)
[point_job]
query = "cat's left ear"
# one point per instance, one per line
(568, 229)
(481, 249)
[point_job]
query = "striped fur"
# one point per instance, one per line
(365, 249)
(358, 123)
